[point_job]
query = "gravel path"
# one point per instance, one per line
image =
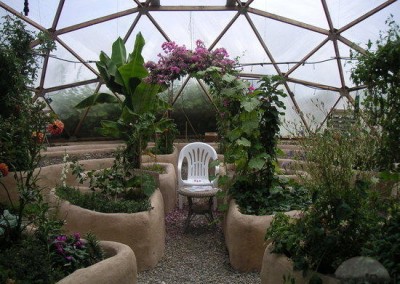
(198, 256)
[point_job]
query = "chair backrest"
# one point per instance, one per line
(198, 156)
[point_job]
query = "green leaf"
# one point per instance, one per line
(145, 98)
(257, 163)
(110, 128)
(99, 98)
(243, 142)
(118, 55)
(229, 78)
(250, 104)
(128, 115)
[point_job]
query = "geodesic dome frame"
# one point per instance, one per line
(308, 43)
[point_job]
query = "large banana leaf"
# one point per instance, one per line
(98, 98)
(118, 55)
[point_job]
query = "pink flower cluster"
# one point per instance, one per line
(66, 245)
(177, 61)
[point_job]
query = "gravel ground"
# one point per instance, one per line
(198, 256)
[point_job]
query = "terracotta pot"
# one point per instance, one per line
(119, 267)
(167, 185)
(244, 238)
(144, 232)
(277, 266)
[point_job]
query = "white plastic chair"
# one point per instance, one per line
(198, 156)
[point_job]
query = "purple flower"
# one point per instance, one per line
(61, 238)
(78, 244)
(77, 236)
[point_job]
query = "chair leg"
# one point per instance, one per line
(180, 201)
(214, 203)
(190, 214)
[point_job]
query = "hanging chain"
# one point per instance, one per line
(26, 7)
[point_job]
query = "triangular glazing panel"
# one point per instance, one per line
(90, 41)
(153, 39)
(343, 12)
(63, 68)
(287, 43)
(370, 28)
(307, 11)
(315, 104)
(193, 2)
(193, 111)
(241, 42)
(320, 68)
(75, 11)
(41, 14)
(187, 27)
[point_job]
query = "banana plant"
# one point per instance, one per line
(124, 74)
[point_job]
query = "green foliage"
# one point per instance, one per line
(114, 189)
(343, 214)
(165, 135)
(249, 126)
(124, 75)
(18, 117)
(283, 196)
(155, 168)
(99, 202)
(379, 70)
(384, 244)
(21, 123)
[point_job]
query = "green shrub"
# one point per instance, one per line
(384, 243)
(97, 201)
(113, 190)
(342, 217)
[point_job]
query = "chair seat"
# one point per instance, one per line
(197, 192)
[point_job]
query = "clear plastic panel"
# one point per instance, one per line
(90, 41)
(40, 11)
(370, 28)
(343, 12)
(76, 11)
(281, 39)
(307, 11)
(64, 68)
(320, 68)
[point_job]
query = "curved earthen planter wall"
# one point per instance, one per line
(167, 158)
(119, 267)
(144, 232)
(167, 186)
(276, 266)
(244, 238)
(49, 177)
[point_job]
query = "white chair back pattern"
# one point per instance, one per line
(198, 155)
